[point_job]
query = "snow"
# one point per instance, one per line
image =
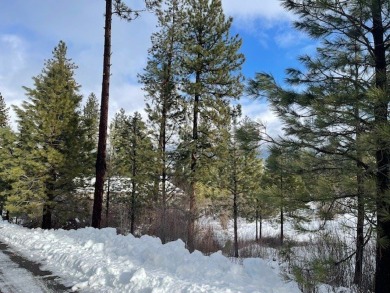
(271, 228)
(11, 275)
(93, 260)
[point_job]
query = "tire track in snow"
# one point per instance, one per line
(18, 275)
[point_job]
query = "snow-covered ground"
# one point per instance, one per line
(92, 260)
(11, 276)
(271, 228)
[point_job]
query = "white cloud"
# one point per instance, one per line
(290, 38)
(259, 110)
(127, 96)
(12, 56)
(270, 10)
(14, 67)
(30, 40)
(260, 19)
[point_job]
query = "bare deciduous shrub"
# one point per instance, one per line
(175, 225)
(261, 249)
(206, 241)
(224, 220)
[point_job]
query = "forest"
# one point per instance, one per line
(194, 156)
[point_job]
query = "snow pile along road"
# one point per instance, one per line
(93, 260)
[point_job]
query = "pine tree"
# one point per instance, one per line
(3, 112)
(119, 8)
(243, 165)
(211, 64)
(5, 151)
(90, 124)
(363, 25)
(134, 155)
(286, 187)
(336, 118)
(165, 105)
(51, 141)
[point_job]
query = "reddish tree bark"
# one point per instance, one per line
(102, 143)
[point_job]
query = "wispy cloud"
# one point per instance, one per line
(260, 111)
(287, 38)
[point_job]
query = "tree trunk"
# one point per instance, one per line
(261, 227)
(133, 180)
(162, 146)
(108, 202)
(194, 160)
(382, 275)
(46, 217)
(360, 186)
(235, 216)
(281, 209)
(235, 189)
(47, 206)
(281, 225)
(102, 143)
(359, 238)
(133, 208)
(163, 211)
(257, 228)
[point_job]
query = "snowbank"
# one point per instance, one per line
(92, 260)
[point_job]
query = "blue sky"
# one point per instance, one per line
(29, 30)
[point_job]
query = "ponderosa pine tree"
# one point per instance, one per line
(332, 118)
(243, 164)
(134, 155)
(211, 69)
(51, 142)
(365, 24)
(101, 164)
(119, 8)
(164, 103)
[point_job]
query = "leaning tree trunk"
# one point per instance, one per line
(102, 143)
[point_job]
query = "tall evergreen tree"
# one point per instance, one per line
(164, 103)
(90, 124)
(364, 24)
(103, 122)
(119, 8)
(51, 141)
(211, 64)
(3, 112)
(244, 167)
(5, 150)
(286, 187)
(332, 116)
